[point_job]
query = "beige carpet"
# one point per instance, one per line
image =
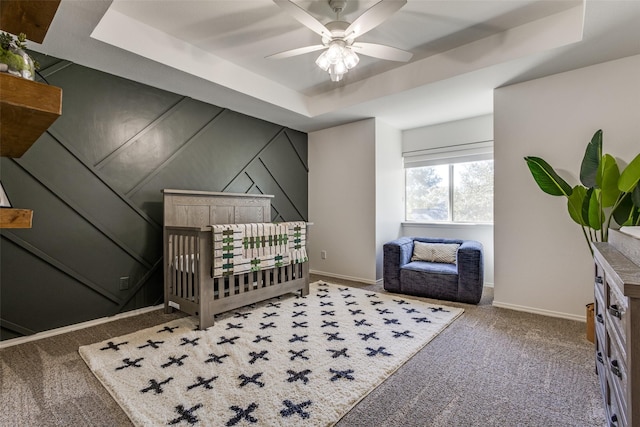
(278, 363)
(491, 367)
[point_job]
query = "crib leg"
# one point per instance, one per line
(304, 291)
(305, 274)
(167, 308)
(206, 321)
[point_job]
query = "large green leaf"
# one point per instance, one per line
(607, 180)
(546, 178)
(630, 176)
(575, 203)
(591, 160)
(635, 212)
(623, 211)
(592, 213)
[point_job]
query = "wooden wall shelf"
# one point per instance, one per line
(32, 17)
(15, 218)
(27, 109)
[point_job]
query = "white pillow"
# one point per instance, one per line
(435, 252)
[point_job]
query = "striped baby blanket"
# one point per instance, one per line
(242, 248)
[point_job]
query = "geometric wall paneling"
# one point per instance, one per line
(214, 157)
(38, 296)
(278, 169)
(94, 181)
(299, 142)
(102, 111)
(138, 158)
(70, 238)
(282, 152)
(265, 184)
(242, 184)
(80, 187)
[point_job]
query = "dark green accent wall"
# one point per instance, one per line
(94, 182)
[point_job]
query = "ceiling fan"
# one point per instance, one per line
(339, 37)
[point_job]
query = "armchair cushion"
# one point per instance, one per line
(435, 252)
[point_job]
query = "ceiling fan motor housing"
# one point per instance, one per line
(337, 5)
(337, 29)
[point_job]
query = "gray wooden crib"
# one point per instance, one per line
(189, 285)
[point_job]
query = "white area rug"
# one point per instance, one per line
(289, 361)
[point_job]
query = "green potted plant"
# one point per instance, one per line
(605, 193)
(13, 57)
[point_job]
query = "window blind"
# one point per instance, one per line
(470, 152)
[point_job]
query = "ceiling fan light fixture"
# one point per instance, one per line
(323, 61)
(350, 58)
(335, 77)
(338, 37)
(335, 52)
(337, 60)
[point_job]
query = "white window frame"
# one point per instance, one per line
(447, 155)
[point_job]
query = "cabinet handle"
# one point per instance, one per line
(599, 357)
(616, 369)
(614, 311)
(600, 319)
(599, 279)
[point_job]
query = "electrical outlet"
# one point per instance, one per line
(124, 283)
(323, 254)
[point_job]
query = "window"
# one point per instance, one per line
(452, 192)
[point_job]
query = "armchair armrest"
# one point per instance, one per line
(470, 271)
(395, 254)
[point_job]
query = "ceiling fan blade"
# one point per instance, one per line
(303, 17)
(373, 17)
(296, 52)
(381, 51)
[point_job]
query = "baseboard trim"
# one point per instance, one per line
(540, 311)
(77, 326)
(340, 276)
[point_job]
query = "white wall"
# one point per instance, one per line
(355, 198)
(342, 201)
(389, 188)
(475, 129)
(542, 263)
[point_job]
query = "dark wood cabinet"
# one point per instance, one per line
(617, 327)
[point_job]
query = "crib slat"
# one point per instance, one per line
(169, 269)
(196, 272)
(182, 270)
(176, 277)
(190, 272)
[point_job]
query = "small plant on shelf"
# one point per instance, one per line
(13, 57)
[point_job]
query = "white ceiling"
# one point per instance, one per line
(214, 51)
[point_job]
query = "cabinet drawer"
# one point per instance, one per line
(601, 371)
(616, 314)
(599, 278)
(614, 417)
(599, 307)
(618, 379)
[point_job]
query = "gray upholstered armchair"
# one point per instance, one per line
(460, 281)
